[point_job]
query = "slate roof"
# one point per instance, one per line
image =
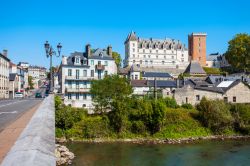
(156, 74)
(4, 57)
(162, 83)
(194, 68)
(139, 83)
(131, 37)
(12, 76)
(100, 54)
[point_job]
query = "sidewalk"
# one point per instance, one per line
(10, 134)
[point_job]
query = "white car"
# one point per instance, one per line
(18, 95)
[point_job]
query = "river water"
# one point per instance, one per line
(214, 153)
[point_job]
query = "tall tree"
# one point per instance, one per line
(109, 90)
(30, 82)
(238, 53)
(117, 58)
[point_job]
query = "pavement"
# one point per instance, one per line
(14, 116)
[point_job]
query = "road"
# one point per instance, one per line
(12, 109)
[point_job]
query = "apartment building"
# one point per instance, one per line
(78, 70)
(4, 75)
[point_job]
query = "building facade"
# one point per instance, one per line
(160, 53)
(78, 70)
(37, 72)
(197, 47)
(4, 75)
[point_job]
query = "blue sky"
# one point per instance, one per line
(25, 25)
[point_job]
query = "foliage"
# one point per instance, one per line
(187, 106)
(183, 75)
(30, 82)
(58, 102)
(117, 58)
(215, 115)
(67, 116)
(238, 53)
(103, 95)
(170, 102)
(241, 113)
(181, 123)
(210, 70)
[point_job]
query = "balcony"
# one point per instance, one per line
(99, 67)
(83, 90)
(78, 78)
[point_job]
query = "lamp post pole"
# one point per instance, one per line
(49, 53)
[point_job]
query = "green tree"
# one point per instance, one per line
(117, 58)
(238, 53)
(30, 82)
(215, 115)
(110, 89)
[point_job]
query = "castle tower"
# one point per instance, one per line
(131, 49)
(197, 47)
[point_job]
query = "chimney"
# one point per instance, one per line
(5, 53)
(64, 60)
(177, 83)
(109, 50)
(88, 50)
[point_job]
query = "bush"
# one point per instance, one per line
(170, 102)
(93, 127)
(180, 123)
(187, 106)
(67, 116)
(241, 113)
(138, 127)
(215, 115)
(58, 102)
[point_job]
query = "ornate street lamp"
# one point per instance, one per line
(49, 53)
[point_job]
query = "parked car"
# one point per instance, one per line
(38, 95)
(18, 95)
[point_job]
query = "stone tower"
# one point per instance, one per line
(197, 47)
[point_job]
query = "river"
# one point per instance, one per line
(214, 153)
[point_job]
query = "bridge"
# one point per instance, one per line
(36, 143)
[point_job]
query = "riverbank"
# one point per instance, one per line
(158, 141)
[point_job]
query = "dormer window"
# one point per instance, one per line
(77, 60)
(101, 55)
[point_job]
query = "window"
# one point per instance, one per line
(84, 105)
(172, 57)
(84, 73)
(146, 62)
(136, 77)
(106, 73)
(143, 50)
(164, 56)
(186, 99)
(133, 61)
(69, 96)
(150, 51)
(225, 99)
(148, 56)
(133, 44)
(77, 74)
(140, 61)
(163, 62)
(77, 96)
(197, 97)
(234, 99)
(144, 56)
(99, 62)
(69, 72)
(92, 73)
(99, 74)
(151, 62)
(134, 55)
(106, 63)
(133, 50)
(157, 56)
(77, 85)
(156, 51)
(77, 60)
(92, 62)
(164, 51)
(84, 96)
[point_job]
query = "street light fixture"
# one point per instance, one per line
(49, 53)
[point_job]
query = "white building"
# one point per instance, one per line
(4, 75)
(77, 71)
(159, 53)
(37, 72)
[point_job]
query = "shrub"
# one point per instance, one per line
(215, 115)
(58, 102)
(170, 102)
(66, 117)
(180, 123)
(187, 106)
(241, 113)
(138, 127)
